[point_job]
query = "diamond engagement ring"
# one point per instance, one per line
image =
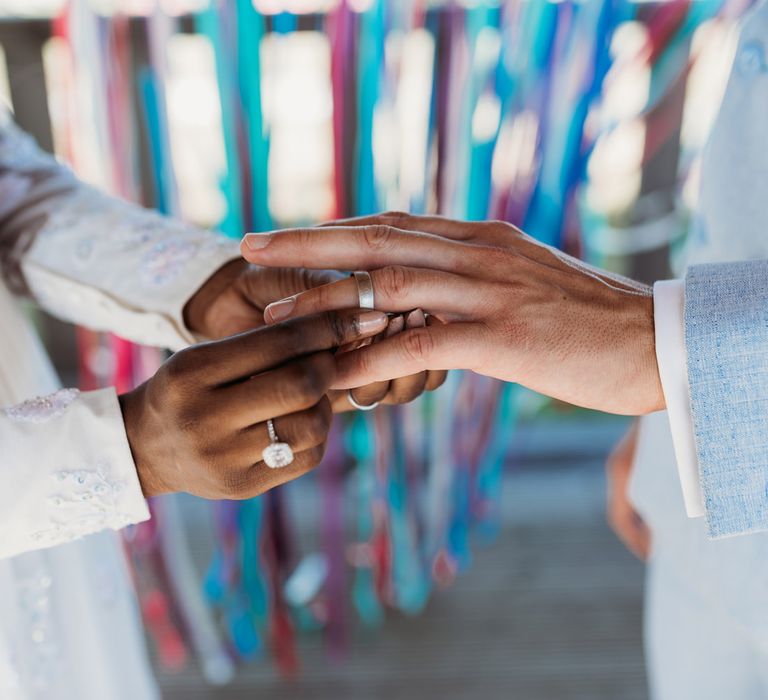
(364, 289)
(277, 454)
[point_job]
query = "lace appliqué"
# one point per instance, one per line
(82, 501)
(163, 262)
(43, 408)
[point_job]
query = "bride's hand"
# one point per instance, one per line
(234, 298)
(200, 424)
(517, 310)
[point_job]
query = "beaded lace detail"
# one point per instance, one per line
(82, 501)
(43, 408)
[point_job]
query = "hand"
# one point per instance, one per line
(624, 520)
(515, 309)
(199, 425)
(234, 298)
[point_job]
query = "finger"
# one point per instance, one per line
(630, 528)
(373, 393)
(642, 540)
(377, 392)
(438, 225)
(454, 346)
(395, 288)
(340, 402)
(250, 353)
(370, 394)
(435, 379)
(407, 389)
(637, 540)
(259, 478)
(350, 248)
(260, 285)
(294, 387)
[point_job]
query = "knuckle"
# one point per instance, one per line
(395, 218)
(378, 236)
(418, 344)
(322, 297)
(495, 257)
(340, 326)
(317, 425)
(290, 335)
(394, 281)
(313, 457)
(307, 383)
(178, 369)
(407, 394)
(305, 237)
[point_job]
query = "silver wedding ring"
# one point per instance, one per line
(277, 454)
(359, 406)
(364, 289)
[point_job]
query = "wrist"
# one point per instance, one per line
(649, 384)
(131, 406)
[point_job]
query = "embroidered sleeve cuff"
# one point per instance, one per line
(66, 471)
(669, 304)
(112, 266)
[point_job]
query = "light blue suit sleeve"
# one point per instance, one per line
(726, 334)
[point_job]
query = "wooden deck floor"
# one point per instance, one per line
(552, 611)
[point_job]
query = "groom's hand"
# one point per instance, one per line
(515, 309)
(199, 425)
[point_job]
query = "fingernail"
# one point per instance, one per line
(256, 241)
(280, 309)
(416, 319)
(371, 321)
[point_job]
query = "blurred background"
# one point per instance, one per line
(458, 545)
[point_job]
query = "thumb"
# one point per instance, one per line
(263, 285)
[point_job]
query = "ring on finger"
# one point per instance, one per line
(365, 296)
(359, 406)
(277, 454)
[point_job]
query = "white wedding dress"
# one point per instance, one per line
(69, 624)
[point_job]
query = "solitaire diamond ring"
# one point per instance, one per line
(277, 454)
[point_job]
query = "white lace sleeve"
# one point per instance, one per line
(93, 259)
(53, 493)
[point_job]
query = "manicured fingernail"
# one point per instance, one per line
(416, 319)
(280, 309)
(257, 241)
(371, 321)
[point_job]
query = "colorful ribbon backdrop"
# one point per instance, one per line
(401, 490)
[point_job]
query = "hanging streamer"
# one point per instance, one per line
(425, 478)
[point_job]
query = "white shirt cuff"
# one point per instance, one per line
(669, 317)
(66, 471)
